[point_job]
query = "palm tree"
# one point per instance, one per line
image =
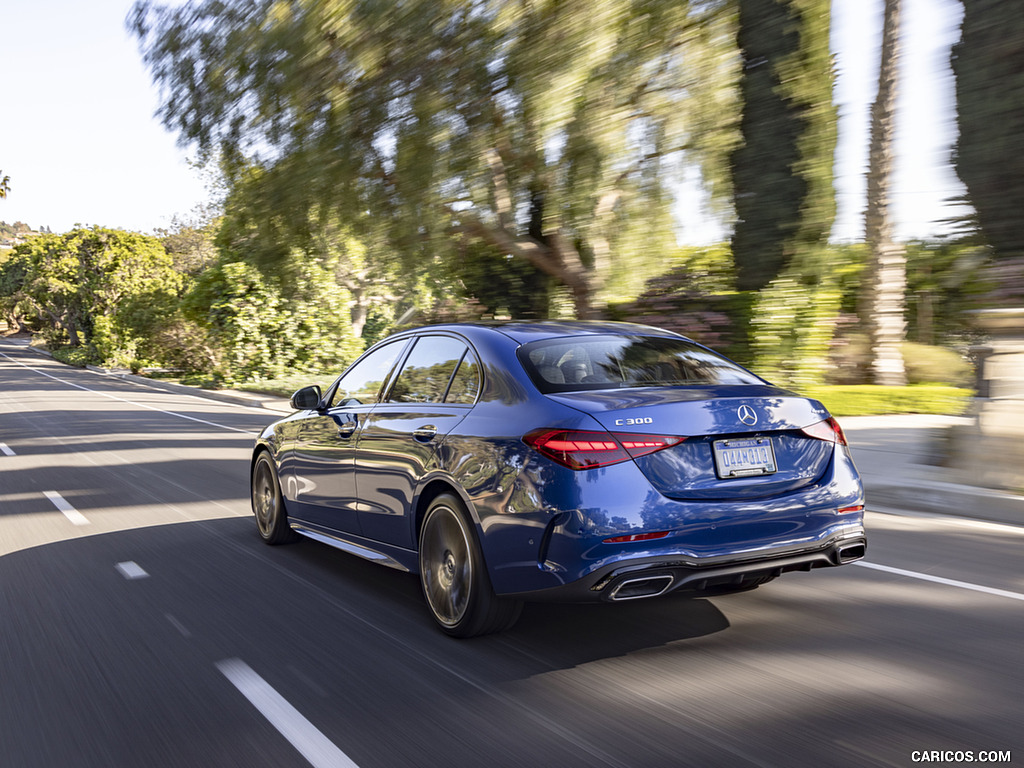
(884, 301)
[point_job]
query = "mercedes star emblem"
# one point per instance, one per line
(747, 415)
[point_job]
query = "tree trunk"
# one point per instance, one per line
(551, 253)
(885, 298)
(73, 334)
(360, 310)
(557, 258)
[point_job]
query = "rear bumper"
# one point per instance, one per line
(656, 576)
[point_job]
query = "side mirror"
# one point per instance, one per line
(307, 398)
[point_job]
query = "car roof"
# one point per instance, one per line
(537, 330)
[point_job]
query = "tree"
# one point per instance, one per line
(261, 226)
(5, 185)
(535, 128)
(258, 332)
(782, 179)
(190, 242)
(988, 63)
(75, 279)
(884, 298)
(13, 301)
(782, 172)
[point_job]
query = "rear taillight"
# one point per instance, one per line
(584, 449)
(828, 429)
(637, 537)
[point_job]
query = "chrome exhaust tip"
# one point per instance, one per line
(847, 553)
(640, 587)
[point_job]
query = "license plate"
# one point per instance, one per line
(748, 457)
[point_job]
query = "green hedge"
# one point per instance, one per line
(870, 400)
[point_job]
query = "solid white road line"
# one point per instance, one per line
(5, 450)
(130, 402)
(940, 580)
(302, 734)
(131, 570)
(72, 514)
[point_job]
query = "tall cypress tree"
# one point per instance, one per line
(989, 66)
(782, 173)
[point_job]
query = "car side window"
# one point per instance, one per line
(466, 383)
(427, 370)
(363, 381)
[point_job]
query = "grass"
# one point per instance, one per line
(869, 400)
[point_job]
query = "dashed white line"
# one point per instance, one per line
(72, 514)
(320, 751)
(941, 580)
(178, 625)
(5, 450)
(131, 570)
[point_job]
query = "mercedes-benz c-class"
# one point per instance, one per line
(572, 461)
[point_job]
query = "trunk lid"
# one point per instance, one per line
(755, 431)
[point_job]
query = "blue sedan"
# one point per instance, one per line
(566, 461)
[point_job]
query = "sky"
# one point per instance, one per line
(82, 146)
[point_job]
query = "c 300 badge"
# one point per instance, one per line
(633, 422)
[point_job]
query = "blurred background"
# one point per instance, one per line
(371, 165)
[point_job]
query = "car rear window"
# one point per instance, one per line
(613, 362)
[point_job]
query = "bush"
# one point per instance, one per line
(286, 386)
(936, 365)
(792, 327)
(851, 362)
(76, 356)
(676, 302)
(254, 331)
(185, 346)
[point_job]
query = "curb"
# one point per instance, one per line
(949, 499)
(38, 350)
(233, 397)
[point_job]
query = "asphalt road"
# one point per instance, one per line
(143, 623)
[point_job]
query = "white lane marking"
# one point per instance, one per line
(5, 450)
(1003, 528)
(302, 734)
(940, 580)
(72, 514)
(130, 402)
(131, 570)
(178, 625)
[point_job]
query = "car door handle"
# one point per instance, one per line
(346, 429)
(425, 433)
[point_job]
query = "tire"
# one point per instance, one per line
(454, 577)
(268, 503)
